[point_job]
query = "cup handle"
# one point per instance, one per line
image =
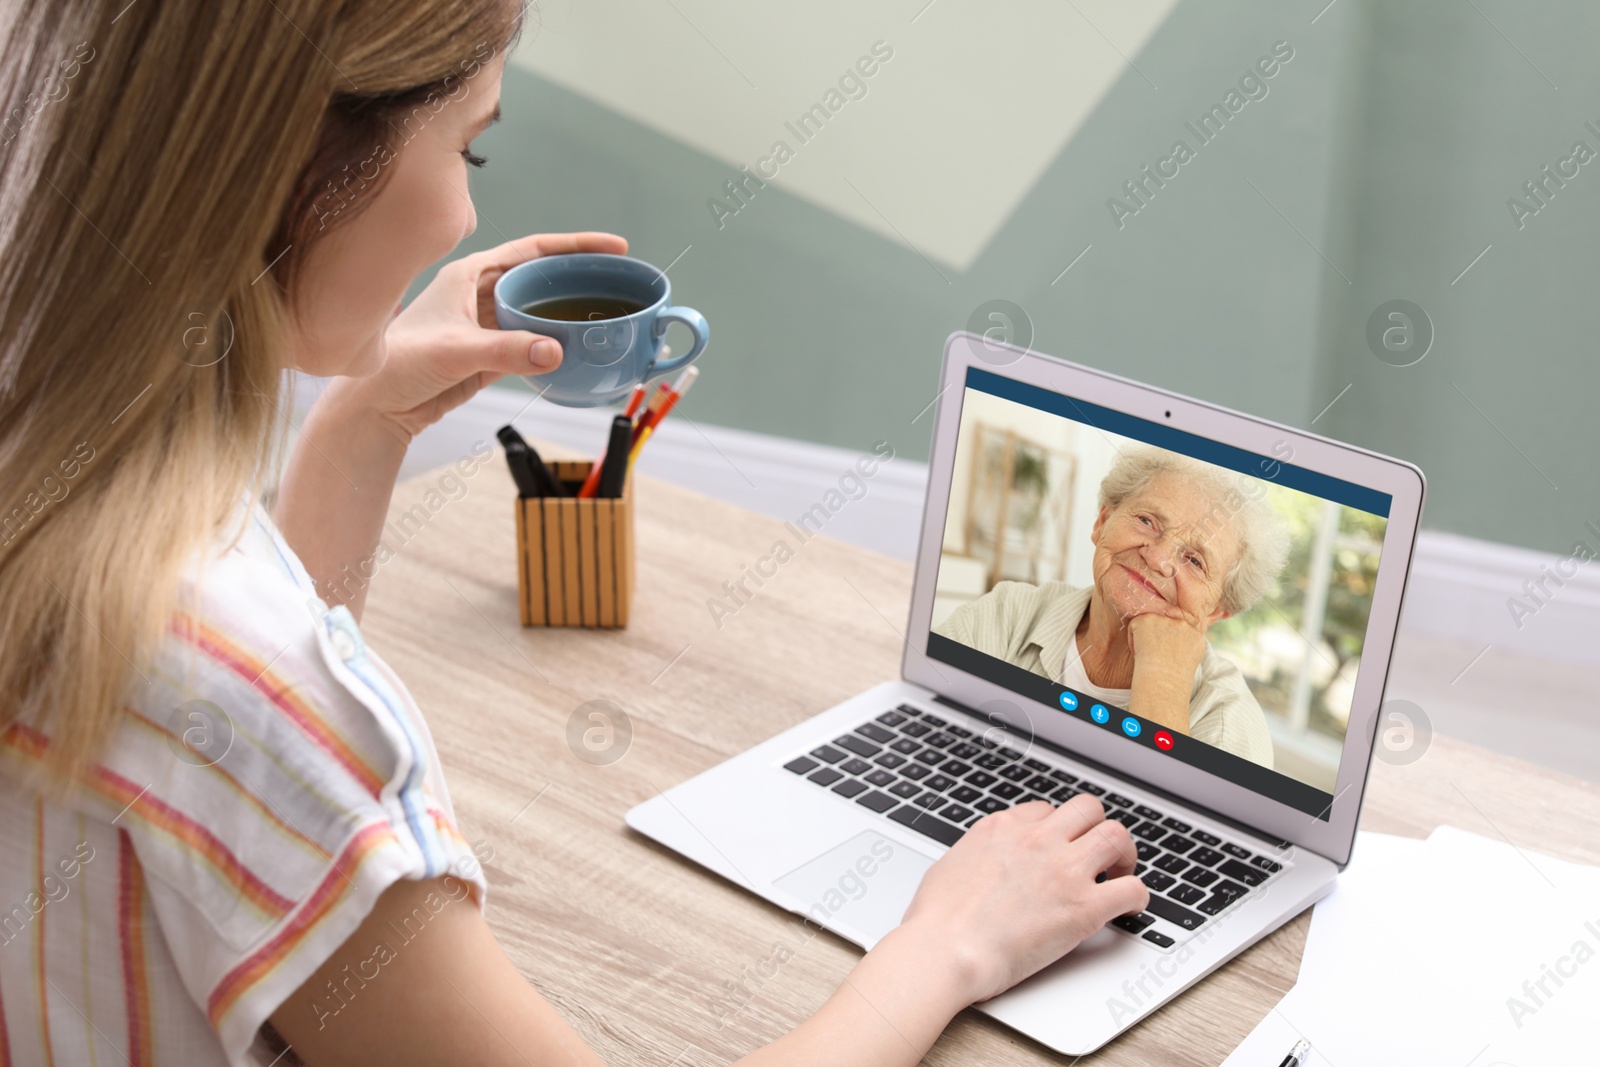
(697, 325)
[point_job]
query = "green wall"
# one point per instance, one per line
(1376, 168)
(1449, 118)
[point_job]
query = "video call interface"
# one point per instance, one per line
(1192, 597)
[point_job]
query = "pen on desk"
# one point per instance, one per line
(614, 468)
(1297, 1055)
(652, 417)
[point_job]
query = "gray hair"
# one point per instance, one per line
(1240, 505)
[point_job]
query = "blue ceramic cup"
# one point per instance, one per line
(606, 353)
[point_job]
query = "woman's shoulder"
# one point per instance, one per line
(1027, 599)
(250, 566)
(1225, 709)
(1008, 610)
(265, 722)
(252, 647)
(253, 650)
(1221, 685)
(251, 627)
(998, 614)
(274, 777)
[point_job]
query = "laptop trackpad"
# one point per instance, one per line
(862, 885)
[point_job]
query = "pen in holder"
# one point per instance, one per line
(575, 555)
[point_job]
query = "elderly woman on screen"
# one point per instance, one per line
(1178, 545)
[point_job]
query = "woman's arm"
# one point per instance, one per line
(452, 996)
(1016, 893)
(334, 495)
(449, 995)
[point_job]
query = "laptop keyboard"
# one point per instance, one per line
(938, 778)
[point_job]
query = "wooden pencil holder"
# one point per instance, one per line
(575, 557)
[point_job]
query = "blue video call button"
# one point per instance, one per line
(1069, 701)
(1099, 714)
(1130, 726)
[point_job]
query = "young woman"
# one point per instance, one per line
(213, 802)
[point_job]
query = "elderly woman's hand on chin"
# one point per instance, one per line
(1167, 647)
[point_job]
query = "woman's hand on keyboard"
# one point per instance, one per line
(1018, 891)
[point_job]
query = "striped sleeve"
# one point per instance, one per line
(274, 778)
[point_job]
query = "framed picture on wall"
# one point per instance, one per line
(1019, 506)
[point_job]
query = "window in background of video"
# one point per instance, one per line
(1023, 503)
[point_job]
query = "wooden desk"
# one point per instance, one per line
(636, 946)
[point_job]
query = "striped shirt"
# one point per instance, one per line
(1035, 626)
(269, 777)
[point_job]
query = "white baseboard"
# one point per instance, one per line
(1458, 591)
(1461, 588)
(770, 475)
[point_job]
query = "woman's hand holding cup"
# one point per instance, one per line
(446, 344)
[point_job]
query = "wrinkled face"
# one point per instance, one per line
(1170, 543)
(356, 276)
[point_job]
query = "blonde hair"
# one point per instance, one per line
(1239, 503)
(155, 160)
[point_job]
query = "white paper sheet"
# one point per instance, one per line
(1273, 1037)
(1372, 867)
(1461, 950)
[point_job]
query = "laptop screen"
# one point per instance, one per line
(1187, 595)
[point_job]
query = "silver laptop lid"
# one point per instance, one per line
(1307, 540)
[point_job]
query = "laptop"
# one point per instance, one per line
(1243, 814)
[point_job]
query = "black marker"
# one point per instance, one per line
(533, 478)
(614, 468)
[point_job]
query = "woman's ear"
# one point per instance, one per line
(1099, 524)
